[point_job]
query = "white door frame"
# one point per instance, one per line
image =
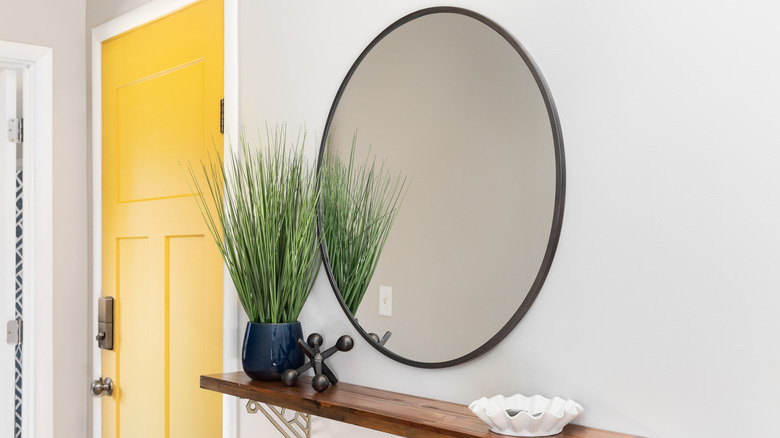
(37, 356)
(144, 14)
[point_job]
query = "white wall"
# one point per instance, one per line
(659, 313)
(60, 25)
(100, 11)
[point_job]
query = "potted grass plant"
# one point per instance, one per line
(261, 211)
(360, 202)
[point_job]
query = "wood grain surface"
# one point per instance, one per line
(386, 411)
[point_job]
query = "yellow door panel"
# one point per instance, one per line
(138, 308)
(190, 406)
(162, 83)
(145, 170)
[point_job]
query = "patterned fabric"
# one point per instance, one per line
(18, 312)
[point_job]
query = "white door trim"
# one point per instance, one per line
(141, 15)
(38, 366)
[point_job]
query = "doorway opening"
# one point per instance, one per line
(26, 222)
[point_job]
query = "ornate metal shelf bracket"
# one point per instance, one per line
(299, 426)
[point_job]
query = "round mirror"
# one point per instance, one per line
(454, 105)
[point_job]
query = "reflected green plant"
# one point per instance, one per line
(360, 203)
(261, 211)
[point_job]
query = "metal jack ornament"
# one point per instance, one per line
(323, 376)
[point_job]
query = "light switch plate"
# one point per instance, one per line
(385, 300)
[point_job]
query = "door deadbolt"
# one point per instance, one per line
(105, 336)
(101, 387)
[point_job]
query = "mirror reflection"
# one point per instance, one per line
(448, 102)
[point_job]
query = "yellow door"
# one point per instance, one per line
(162, 85)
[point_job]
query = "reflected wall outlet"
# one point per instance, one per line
(386, 300)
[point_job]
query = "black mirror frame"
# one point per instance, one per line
(560, 188)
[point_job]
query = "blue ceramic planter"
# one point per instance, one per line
(270, 349)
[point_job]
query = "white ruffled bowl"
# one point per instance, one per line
(530, 416)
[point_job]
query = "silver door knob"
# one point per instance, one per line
(101, 387)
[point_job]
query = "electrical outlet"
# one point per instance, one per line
(386, 300)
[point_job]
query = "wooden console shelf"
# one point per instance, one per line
(391, 412)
